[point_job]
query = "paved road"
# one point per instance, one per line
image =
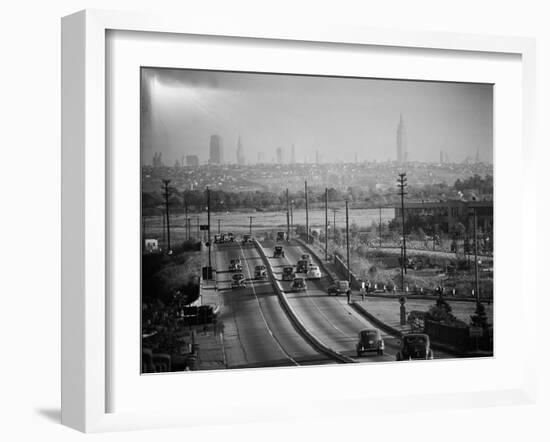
(256, 330)
(329, 318)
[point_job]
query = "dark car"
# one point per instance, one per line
(288, 273)
(281, 236)
(339, 288)
(260, 272)
(247, 238)
(238, 281)
(217, 238)
(229, 237)
(298, 285)
(302, 266)
(370, 340)
(278, 252)
(415, 346)
(306, 257)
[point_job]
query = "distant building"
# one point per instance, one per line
(151, 245)
(401, 141)
(441, 157)
(293, 155)
(261, 157)
(216, 150)
(279, 154)
(451, 212)
(192, 160)
(240, 152)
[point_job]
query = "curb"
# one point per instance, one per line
(316, 343)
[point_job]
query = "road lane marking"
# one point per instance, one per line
(261, 310)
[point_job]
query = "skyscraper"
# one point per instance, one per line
(293, 155)
(279, 155)
(216, 150)
(402, 154)
(240, 152)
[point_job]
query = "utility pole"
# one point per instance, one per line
(287, 217)
(208, 213)
(251, 218)
(187, 230)
(292, 216)
(326, 224)
(475, 255)
(347, 240)
(380, 225)
(199, 229)
(402, 184)
(307, 215)
(167, 192)
(334, 223)
(219, 226)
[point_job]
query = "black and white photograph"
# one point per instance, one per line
(297, 220)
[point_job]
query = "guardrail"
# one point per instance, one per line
(313, 340)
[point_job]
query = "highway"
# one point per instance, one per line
(329, 318)
(256, 330)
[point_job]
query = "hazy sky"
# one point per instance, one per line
(339, 117)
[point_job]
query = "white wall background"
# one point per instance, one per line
(30, 216)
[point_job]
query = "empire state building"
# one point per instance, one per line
(401, 138)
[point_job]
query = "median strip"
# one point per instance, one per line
(312, 339)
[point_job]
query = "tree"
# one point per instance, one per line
(479, 319)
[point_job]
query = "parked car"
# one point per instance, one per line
(288, 273)
(415, 346)
(415, 263)
(339, 288)
(260, 272)
(278, 252)
(235, 265)
(302, 266)
(217, 238)
(281, 236)
(313, 272)
(247, 238)
(370, 340)
(229, 237)
(298, 285)
(306, 257)
(238, 281)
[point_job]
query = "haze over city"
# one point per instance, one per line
(327, 119)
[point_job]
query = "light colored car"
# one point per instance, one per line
(339, 288)
(313, 272)
(235, 265)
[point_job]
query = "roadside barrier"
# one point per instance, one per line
(313, 340)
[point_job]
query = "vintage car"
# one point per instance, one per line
(370, 340)
(217, 238)
(229, 237)
(302, 266)
(298, 285)
(415, 263)
(238, 281)
(260, 272)
(278, 252)
(288, 273)
(313, 272)
(281, 236)
(339, 288)
(247, 238)
(306, 257)
(415, 346)
(235, 265)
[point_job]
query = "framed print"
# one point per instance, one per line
(265, 219)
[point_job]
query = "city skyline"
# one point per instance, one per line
(311, 118)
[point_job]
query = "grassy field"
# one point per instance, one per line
(239, 222)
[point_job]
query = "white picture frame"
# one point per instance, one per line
(85, 199)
